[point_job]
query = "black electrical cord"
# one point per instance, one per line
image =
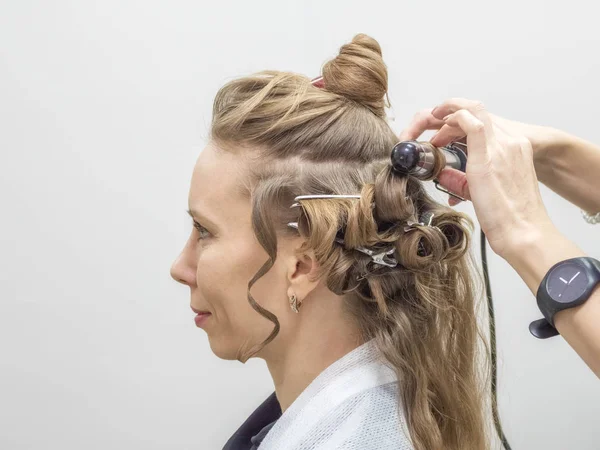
(494, 365)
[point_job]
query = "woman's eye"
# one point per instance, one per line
(203, 232)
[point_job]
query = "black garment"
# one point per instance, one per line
(255, 428)
(256, 440)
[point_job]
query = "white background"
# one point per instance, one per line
(104, 107)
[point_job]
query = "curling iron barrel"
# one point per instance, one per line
(418, 159)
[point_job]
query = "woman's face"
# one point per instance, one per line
(222, 255)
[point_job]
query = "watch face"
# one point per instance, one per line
(567, 282)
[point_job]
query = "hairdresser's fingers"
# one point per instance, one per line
(456, 104)
(502, 183)
(446, 135)
(456, 182)
(421, 122)
(459, 124)
(452, 105)
(453, 201)
(479, 136)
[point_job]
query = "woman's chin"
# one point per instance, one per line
(225, 349)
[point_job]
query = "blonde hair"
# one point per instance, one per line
(301, 140)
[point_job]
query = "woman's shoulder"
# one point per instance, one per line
(369, 420)
(372, 419)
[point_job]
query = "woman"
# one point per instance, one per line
(359, 294)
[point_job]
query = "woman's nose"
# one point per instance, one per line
(182, 271)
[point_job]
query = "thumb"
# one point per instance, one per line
(455, 181)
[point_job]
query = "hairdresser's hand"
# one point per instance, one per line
(500, 177)
(501, 181)
(566, 164)
(543, 141)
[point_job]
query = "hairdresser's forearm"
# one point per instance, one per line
(532, 257)
(570, 166)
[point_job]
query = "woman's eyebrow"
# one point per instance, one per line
(196, 214)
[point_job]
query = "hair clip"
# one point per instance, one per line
(318, 82)
(410, 226)
(310, 197)
(381, 257)
(316, 196)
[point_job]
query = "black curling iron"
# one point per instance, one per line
(417, 159)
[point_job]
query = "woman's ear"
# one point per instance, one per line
(302, 271)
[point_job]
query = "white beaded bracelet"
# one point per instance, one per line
(591, 218)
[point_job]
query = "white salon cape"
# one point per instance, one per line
(351, 405)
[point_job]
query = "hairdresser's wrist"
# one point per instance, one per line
(579, 325)
(532, 253)
(549, 146)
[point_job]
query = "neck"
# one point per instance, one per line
(321, 336)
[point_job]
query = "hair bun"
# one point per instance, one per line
(359, 73)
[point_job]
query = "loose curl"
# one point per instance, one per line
(301, 139)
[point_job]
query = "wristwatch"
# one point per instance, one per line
(567, 284)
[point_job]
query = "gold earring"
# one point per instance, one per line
(295, 305)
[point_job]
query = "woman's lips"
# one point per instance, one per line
(201, 319)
